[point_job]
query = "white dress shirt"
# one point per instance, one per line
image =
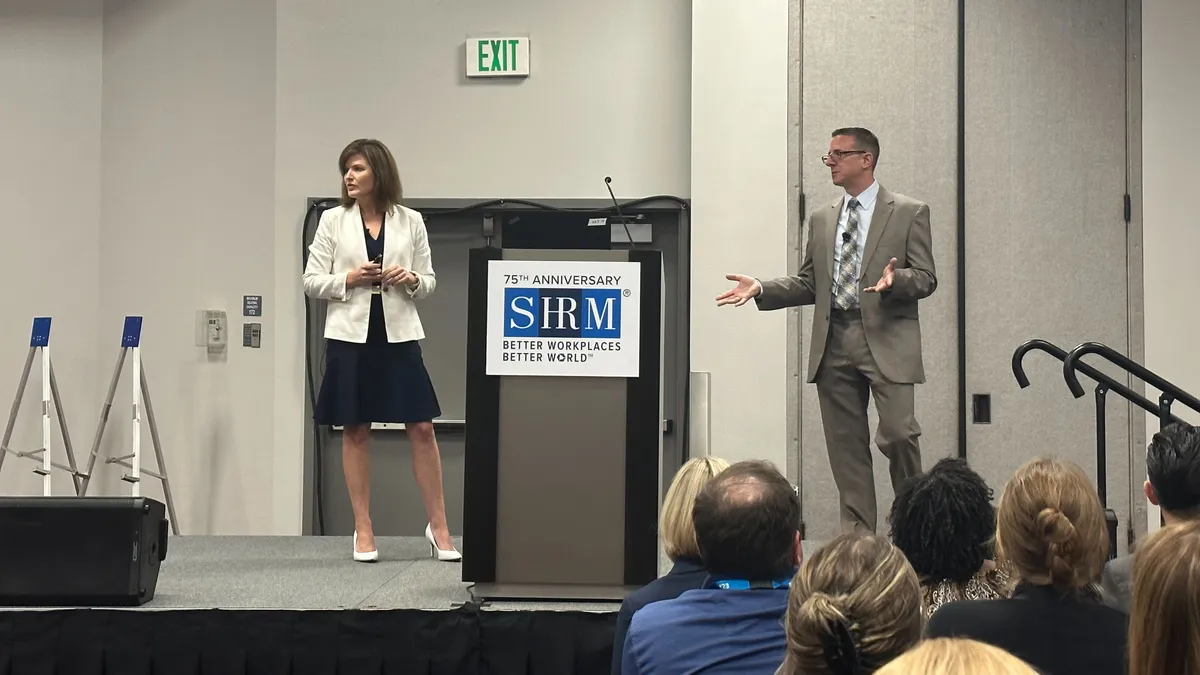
(866, 208)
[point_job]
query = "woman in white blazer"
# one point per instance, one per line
(370, 261)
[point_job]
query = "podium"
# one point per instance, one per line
(563, 449)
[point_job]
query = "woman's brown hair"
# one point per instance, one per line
(388, 189)
(853, 606)
(1164, 614)
(1050, 526)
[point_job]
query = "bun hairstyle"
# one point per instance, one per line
(853, 606)
(1050, 526)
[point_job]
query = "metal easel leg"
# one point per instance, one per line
(104, 411)
(162, 466)
(16, 406)
(135, 433)
(66, 435)
(47, 456)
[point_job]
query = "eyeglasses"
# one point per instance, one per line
(837, 155)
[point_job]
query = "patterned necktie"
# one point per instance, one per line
(845, 290)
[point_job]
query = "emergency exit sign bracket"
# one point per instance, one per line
(497, 57)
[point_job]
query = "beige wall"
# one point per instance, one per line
(50, 60)
(188, 151)
(209, 154)
(607, 95)
(1170, 145)
(740, 189)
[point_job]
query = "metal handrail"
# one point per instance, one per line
(1061, 354)
(1170, 391)
(1104, 383)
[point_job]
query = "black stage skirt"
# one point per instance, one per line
(377, 381)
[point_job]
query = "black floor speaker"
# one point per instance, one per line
(80, 551)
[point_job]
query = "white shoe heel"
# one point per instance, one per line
(364, 556)
(439, 554)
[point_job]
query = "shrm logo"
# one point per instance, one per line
(562, 312)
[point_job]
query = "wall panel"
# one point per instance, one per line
(890, 66)
(1046, 237)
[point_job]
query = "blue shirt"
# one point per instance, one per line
(709, 631)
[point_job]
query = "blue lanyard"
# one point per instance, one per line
(743, 585)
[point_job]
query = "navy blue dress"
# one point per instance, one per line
(375, 381)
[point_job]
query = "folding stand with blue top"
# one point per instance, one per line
(131, 338)
(39, 341)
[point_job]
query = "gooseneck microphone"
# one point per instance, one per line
(620, 216)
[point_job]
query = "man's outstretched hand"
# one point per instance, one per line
(747, 289)
(885, 281)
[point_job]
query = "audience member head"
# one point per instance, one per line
(1050, 526)
(1164, 614)
(369, 175)
(675, 526)
(747, 523)
(944, 522)
(956, 656)
(853, 606)
(1173, 468)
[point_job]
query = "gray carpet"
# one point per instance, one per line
(316, 573)
(308, 573)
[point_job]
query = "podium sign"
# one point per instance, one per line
(564, 318)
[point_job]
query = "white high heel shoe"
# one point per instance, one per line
(439, 554)
(364, 556)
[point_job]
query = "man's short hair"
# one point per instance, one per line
(864, 139)
(1173, 467)
(746, 522)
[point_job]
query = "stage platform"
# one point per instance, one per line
(292, 605)
(317, 573)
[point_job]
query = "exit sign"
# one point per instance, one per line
(498, 57)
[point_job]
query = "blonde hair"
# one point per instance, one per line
(956, 656)
(1164, 614)
(1050, 526)
(675, 523)
(853, 606)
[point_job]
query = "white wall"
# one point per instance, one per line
(211, 122)
(740, 187)
(188, 204)
(1171, 232)
(50, 187)
(607, 95)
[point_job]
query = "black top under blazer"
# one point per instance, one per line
(1056, 634)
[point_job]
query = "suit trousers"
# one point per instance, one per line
(846, 378)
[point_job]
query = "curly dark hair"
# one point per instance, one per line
(944, 522)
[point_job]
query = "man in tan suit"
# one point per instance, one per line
(866, 337)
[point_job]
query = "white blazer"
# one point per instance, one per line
(340, 246)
